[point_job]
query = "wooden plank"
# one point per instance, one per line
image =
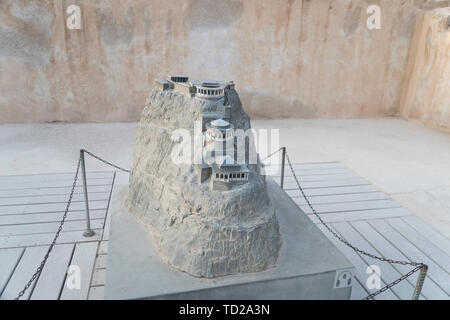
(47, 238)
(360, 215)
(97, 293)
(53, 275)
(107, 227)
(23, 209)
(332, 191)
(341, 198)
(52, 184)
(432, 235)
(83, 257)
(51, 207)
(54, 176)
(388, 273)
(103, 248)
(48, 227)
(360, 266)
(350, 206)
(315, 165)
(52, 199)
(9, 259)
(432, 251)
(386, 249)
(51, 191)
(274, 167)
(435, 272)
(358, 292)
(27, 266)
(325, 184)
(99, 277)
(305, 172)
(49, 217)
(100, 262)
(321, 177)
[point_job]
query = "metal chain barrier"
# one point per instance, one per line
(418, 265)
(41, 265)
(272, 154)
(104, 161)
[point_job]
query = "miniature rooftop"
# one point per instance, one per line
(202, 89)
(220, 123)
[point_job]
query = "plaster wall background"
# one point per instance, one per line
(288, 58)
(426, 92)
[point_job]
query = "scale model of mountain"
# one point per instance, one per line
(207, 219)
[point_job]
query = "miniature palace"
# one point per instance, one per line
(224, 171)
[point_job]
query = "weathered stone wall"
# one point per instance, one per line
(426, 91)
(289, 58)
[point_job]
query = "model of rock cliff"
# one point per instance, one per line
(208, 219)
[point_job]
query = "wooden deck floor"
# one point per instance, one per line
(372, 221)
(30, 210)
(31, 206)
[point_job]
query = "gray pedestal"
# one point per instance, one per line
(309, 265)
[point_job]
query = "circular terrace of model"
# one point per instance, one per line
(209, 89)
(219, 130)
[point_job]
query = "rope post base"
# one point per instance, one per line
(420, 281)
(89, 232)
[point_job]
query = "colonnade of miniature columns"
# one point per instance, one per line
(238, 176)
(219, 135)
(179, 79)
(210, 92)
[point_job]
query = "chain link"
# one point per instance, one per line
(104, 161)
(272, 154)
(42, 264)
(393, 283)
(417, 265)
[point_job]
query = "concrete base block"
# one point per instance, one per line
(309, 265)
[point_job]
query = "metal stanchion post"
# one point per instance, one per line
(420, 281)
(283, 159)
(89, 232)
